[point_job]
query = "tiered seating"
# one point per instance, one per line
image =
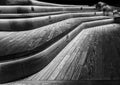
(33, 2)
(23, 24)
(37, 9)
(44, 57)
(53, 42)
(82, 57)
(31, 15)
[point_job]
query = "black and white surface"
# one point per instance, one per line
(59, 42)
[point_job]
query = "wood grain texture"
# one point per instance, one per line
(31, 15)
(18, 42)
(41, 3)
(58, 62)
(34, 2)
(101, 54)
(42, 9)
(86, 82)
(23, 24)
(57, 44)
(37, 61)
(76, 68)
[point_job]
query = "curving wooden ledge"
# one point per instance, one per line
(49, 42)
(34, 2)
(31, 15)
(23, 24)
(18, 42)
(40, 9)
(23, 67)
(86, 57)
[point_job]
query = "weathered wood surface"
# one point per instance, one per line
(37, 61)
(41, 9)
(103, 58)
(71, 45)
(30, 15)
(40, 3)
(33, 2)
(71, 82)
(24, 41)
(23, 24)
(22, 67)
(86, 57)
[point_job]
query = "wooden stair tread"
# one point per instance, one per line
(25, 39)
(30, 15)
(44, 73)
(39, 60)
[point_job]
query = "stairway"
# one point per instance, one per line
(44, 43)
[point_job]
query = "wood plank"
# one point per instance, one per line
(69, 52)
(63, 71)
(83, 56)
(61, 64)
(73, 65)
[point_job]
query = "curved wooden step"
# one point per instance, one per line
(42, 9)
(31, 15)
(38, 61)
(18, 42)
(71, 82)
(22, 67)
(41, 3)
(23, 24)
(33, 2)
(86, 56)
